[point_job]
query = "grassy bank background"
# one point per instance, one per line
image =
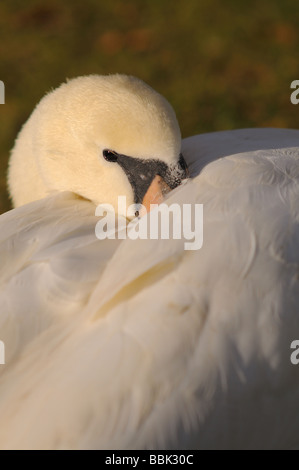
(222, 65)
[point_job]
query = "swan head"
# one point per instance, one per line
(99, 137)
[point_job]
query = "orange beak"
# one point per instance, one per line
(141, 172)
(156, 192)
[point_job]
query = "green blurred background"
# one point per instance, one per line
(222, 64)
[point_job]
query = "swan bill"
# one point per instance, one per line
(156, 192)
(151, 179)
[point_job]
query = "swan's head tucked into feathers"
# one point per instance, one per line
(99, 137)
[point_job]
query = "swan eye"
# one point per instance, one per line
(110, 155)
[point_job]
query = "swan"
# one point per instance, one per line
(141, 344)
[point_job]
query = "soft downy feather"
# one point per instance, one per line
(142, 344)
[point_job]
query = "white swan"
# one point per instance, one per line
(141, 344)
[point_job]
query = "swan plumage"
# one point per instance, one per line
(60, 146)
(118, 344)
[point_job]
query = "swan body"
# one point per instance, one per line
(133, 344)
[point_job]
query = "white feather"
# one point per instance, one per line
(120, 344)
